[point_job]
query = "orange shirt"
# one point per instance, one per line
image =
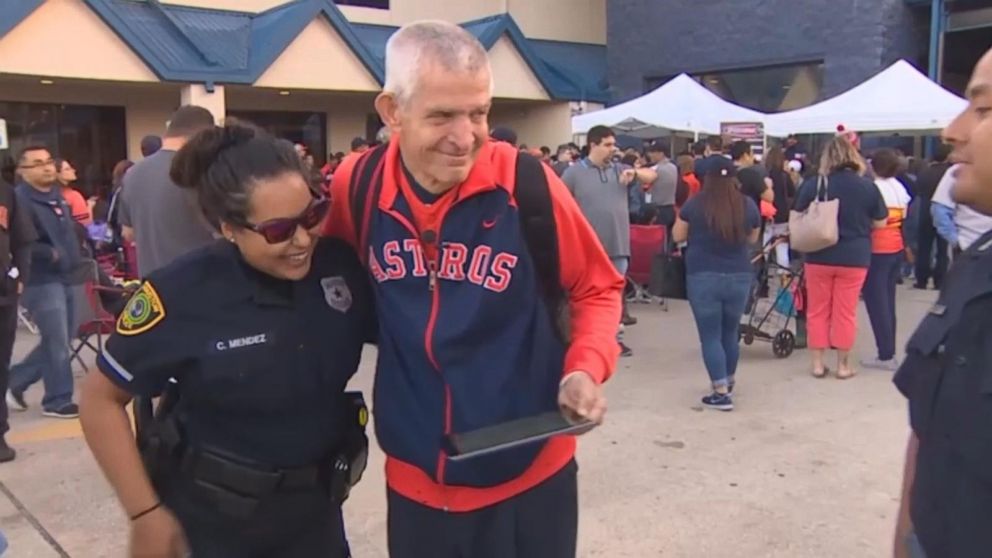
(77, 205)
(888, 239)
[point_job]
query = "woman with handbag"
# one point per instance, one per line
(836, 268)
(719, 224)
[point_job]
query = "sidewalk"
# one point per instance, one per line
(802, 468)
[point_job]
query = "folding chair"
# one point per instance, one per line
(92, 319)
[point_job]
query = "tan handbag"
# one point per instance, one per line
(815, 228)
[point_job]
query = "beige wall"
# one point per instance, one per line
(513, 77)
(147, 107)
(239, 5)
(318, 59)
(536, 124)
(405, 11)
(580, 21)
(64, 38)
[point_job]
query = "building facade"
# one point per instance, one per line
(90, 78)
(775, 55)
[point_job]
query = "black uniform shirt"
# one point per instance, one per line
(261, 364)
(947, 377)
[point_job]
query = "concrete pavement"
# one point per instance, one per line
(801, 468)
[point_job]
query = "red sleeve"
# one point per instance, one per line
(339, 222)
(593, 285)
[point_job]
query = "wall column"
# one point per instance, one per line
(211, 98)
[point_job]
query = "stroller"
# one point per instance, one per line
(775, 304)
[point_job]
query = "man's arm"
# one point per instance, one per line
(904, 523)
(646, 175)
(593, 285)
(340, 222)
(22, 236)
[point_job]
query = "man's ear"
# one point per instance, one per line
(387, 106)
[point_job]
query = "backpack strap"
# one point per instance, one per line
(537, 222)
(363, 195)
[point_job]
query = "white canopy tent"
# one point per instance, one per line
(681, 105)
(897, 99)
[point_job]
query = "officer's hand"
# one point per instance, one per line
(627, 176)
(158, 535)
(580, 398)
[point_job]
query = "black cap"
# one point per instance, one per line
(656, 147)
(359, 142)
(504, 133)
(721, 166)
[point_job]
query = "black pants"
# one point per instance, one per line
(925, 270)
(879, 292)
(8, 332)
(285, 525)
(540, 523)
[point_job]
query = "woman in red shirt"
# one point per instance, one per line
(77, 203)
(686, 166)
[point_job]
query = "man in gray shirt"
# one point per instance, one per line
(665, 186)
(162, 219)
(600, 188)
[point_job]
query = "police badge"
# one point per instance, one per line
(336, 293)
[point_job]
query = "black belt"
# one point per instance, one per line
(255, 481)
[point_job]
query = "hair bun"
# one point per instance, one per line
(194, 160)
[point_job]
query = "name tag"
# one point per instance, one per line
(236, 343)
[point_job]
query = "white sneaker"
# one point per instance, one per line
(890, 365)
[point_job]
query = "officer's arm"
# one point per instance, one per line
(103, 415)
(904, 524)
(22, 236)
(593, 285)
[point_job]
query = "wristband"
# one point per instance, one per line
(141, 514)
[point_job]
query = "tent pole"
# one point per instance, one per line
(936, 55)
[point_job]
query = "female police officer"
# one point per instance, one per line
(257, 335)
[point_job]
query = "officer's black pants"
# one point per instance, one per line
(285, 525)
(540, 523)
(925, 268)
(8, 332)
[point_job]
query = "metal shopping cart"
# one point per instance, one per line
(774, 304)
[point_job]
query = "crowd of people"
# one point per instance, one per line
(263, 276)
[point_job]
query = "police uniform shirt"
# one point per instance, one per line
(260, 363)
(947, 378)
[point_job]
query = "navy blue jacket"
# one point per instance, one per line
(55, 255)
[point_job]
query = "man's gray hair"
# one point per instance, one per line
(437, 42)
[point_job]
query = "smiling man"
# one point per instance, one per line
(947, 375)
(462, 236)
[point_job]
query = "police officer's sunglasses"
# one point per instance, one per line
(281, 230)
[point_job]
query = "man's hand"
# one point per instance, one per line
(20, 288)
(627, 176)
(580, 398)
(158, 535)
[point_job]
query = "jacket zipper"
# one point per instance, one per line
(432, 287)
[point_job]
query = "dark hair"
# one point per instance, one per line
(36, 147)
(189, 120)
(597, 134)
(545, 150)
(699, 148)
(150, 145)
(723, 207)
(775, 159)
(359, 142)
(223, 163)
(715, 143)
(739, 149)
(942, 152)
(658, 148)
(564, 147)
(339, 155)
(59, 161)
(629, 159)
(885, 162)
(117, 176)
(505, 134)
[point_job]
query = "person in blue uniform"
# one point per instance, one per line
(946, 509)
(253, 340)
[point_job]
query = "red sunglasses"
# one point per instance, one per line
(281, 230)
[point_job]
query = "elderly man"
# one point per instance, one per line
(947, 373)
(462, 237)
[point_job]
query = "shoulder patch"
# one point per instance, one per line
(142, 312)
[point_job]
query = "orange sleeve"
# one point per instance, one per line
(340, 222)
(593, 285)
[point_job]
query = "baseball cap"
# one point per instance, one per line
(504, 133)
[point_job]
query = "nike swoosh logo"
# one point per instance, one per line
(489, 223)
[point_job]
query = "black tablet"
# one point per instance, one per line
(511, 434)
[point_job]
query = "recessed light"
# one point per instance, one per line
(713, 80)
(284, 93)
(47, 82)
